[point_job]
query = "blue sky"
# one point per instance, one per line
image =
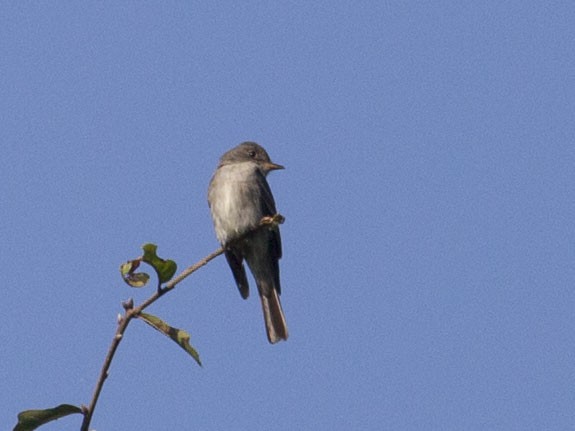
(428, 193)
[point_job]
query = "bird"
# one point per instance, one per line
(239, 196)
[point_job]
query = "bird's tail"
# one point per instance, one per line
(274, 317)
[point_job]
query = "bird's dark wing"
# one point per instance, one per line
(268, 208)
(266, 199)
(235, 260)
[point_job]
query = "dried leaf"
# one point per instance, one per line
(133, 279)
(181, 337)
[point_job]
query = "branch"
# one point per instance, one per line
(132, 312)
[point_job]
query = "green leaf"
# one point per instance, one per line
(29, 420)
(133, 279)
(164, 268)
(178, 335)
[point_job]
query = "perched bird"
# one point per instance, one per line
(239, 197)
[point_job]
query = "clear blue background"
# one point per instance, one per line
(429, 262)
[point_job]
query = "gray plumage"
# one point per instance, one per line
(239, 197)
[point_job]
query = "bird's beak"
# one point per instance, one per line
(269, 166)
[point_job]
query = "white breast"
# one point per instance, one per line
(231, 203)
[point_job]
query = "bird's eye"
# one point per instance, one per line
(252, 153)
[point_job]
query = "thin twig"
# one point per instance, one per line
(89, 411)
(186, 272)
(132, 312)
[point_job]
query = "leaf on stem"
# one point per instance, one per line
(177, 335)
(133, 279)
(29, 420)
(164, 268)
